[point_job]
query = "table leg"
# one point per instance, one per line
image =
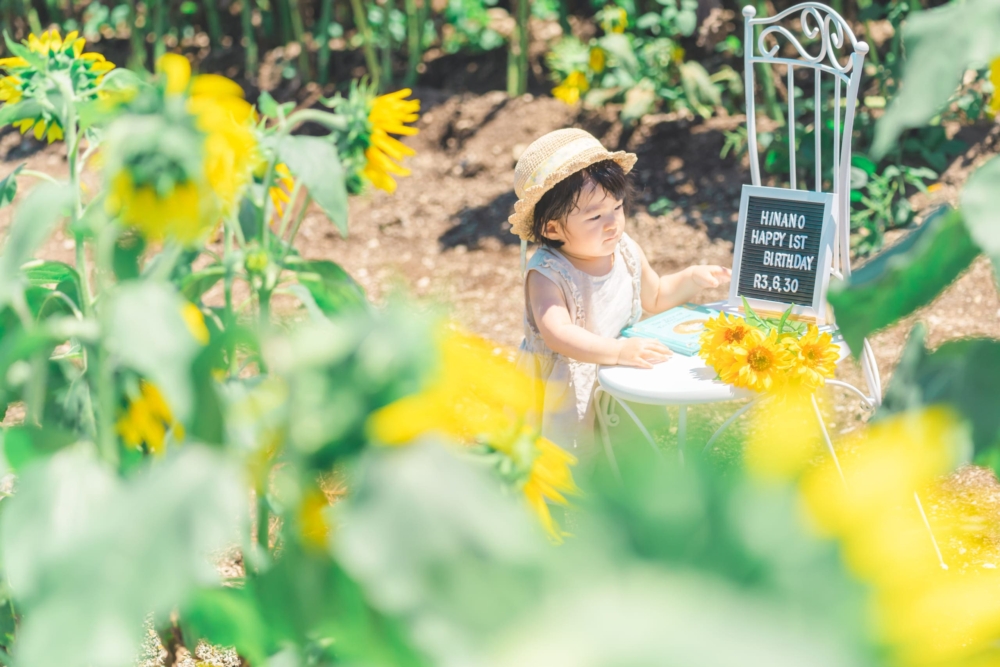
(726, 424)
(681, 432)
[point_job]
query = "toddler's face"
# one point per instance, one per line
(594, 227)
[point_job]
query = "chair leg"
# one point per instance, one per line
(930, 532)
(826, 437)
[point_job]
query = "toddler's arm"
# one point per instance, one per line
(563, 336)
(663, 293)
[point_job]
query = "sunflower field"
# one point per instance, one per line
(219, 450)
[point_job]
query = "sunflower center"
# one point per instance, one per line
(760, 359)
(735, 335)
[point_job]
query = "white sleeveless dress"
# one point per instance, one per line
(603, 305)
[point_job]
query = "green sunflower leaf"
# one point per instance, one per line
(8, 186)
(315, 163)
(903, 278)
(332, 288)
(34, 219)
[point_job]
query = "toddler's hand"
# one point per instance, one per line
(710, 276)
(642, 352)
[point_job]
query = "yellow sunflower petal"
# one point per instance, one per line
(390, 146)
(177, 71)
(195, 322)
(214, 85)
(54, 133)
(15, 62)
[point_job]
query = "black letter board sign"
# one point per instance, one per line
(783, 250)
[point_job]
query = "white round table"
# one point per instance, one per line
(682, 381)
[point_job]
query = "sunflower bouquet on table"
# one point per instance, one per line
(769, 354)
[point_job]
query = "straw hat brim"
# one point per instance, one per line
(524, 209)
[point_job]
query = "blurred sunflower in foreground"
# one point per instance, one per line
(41, 72)
(932, 604)
(147, 421)
(182, 155)
(480, 398)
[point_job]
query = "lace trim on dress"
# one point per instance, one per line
(580, 316)
(635, 270)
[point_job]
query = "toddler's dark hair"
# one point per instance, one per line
(557, 203)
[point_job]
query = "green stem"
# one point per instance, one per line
(517, 55)
(163, 264)
(214, 22)
(331, 121)
(299, 32)
(323, 36)
(298, 221)
(284, 13)
(246, 16)
(767, 78)
(107, 441)
(227, 288)
(414, 27)
(137, 59)
(367, 42)
(73, 136)
(40, 175)
(159, 28)
(263, 318)
(286, 217)
(388, 8)
(33, 22)
(263, 521)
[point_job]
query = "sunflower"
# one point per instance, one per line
(613, 19)
(926, 614)
(719, 339)
(63, 57)
(994, 106)
(479, 397)
(387, 115)
(281, 191)
(475, 393)
(195, 322)
(816, 357)
(759, 363)
(147, 420)
(597, 59)
(572, 87)
(550, 480)
(183, 195)
(312, 524)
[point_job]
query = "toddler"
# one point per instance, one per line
(587, 281)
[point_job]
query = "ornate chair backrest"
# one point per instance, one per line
(829, 35)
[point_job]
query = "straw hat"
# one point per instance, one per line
(550, 159)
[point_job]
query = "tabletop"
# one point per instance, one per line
(676, 381)
(680, 380)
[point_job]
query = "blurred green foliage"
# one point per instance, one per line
(430, 558)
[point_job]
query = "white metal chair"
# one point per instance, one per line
(816, 21)
(682, 382)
